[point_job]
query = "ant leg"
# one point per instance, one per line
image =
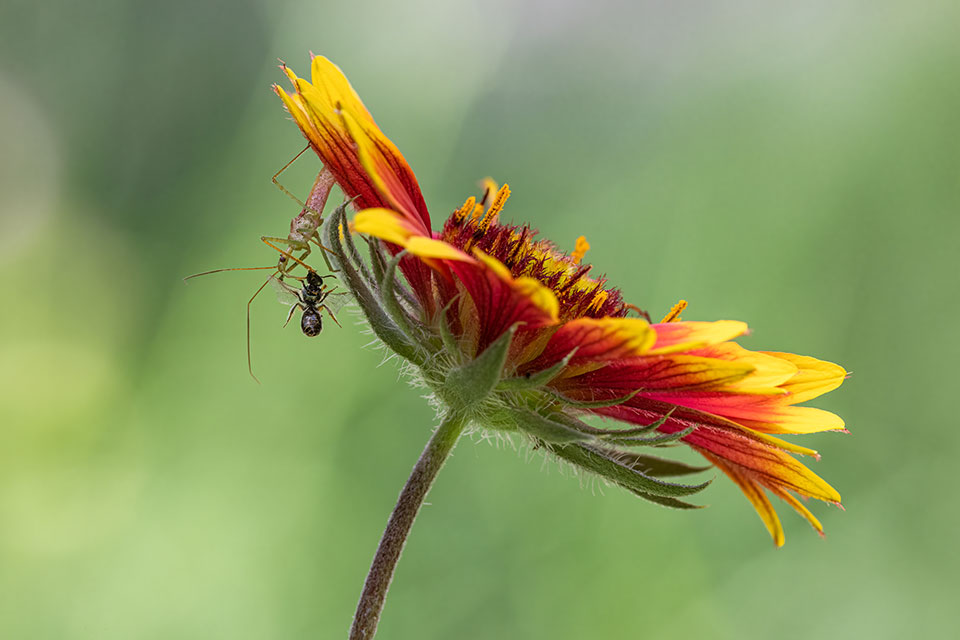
(293, 310)
(326, 291)
(323, 306)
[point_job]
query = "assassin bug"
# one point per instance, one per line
(303, 231)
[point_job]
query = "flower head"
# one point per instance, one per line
(516, 335)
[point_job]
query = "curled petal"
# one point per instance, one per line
(380, 160)
(366, 163)
(501, 300)
(384, 224)
(326, 134)
(540, 295)
(334, 88)
(430, 248)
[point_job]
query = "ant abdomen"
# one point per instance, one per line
(310, 323)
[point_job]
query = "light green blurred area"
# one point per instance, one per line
(796, 167)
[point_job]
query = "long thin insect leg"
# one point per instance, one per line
(326, 260)
(250, 302)
(284, 168)
(303, 256)
(269, 240)
(316, 240)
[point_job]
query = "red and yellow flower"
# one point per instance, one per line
(487, 296)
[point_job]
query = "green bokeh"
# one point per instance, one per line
(795, 168)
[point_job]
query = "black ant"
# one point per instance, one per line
(309, 300)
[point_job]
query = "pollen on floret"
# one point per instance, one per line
(580, 249)
(675, 311)
(495, 208)
(598, 300)
(466, 209)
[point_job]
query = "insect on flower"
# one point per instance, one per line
(560, 341)
(513, 335)
(302, 238)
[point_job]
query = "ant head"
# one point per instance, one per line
(310, 323)
(313, 279)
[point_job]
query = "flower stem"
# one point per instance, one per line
(398, 527)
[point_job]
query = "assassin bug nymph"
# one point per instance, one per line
(302, 238)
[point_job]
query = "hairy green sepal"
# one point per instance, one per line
(359, 282)
(605, 463)
(473, 381)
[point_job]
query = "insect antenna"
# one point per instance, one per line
(206, 273)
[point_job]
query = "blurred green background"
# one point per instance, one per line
(794, 166)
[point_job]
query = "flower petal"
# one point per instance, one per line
(673, 337)
(769, 371)
(642, 411)
(763, 413)
(324, 130)
(380, 160)
(342, 132)
(797, 420)
(653, 374)
(596, 339)
(798, 507)
(385, 224)
(813, 378)
(755, 495)
(763, 461)
(501, 301)
(427, 248)
(334, 87)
